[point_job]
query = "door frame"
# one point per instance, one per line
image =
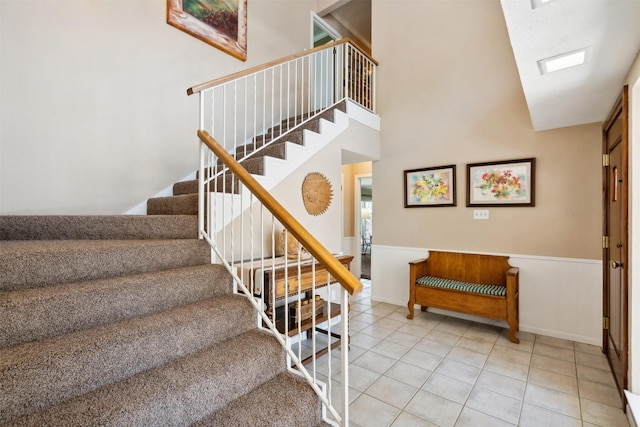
(621, 106)
(316, 19)
(357, 220)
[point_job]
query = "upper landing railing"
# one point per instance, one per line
(246, 110)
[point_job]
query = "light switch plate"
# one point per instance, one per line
(480, 214)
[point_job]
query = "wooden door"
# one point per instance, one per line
(615, 241)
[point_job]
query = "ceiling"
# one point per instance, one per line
(578, 95)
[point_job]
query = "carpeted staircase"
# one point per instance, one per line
(123, 320)
(185, 194)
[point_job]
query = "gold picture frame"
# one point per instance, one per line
(220, 23)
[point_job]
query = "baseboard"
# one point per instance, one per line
(633, 407)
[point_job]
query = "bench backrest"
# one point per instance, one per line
(474, 268)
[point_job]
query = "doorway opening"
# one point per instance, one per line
(366, 225)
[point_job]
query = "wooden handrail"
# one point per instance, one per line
(252, 70)
(306, 239)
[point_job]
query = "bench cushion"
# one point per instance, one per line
(439, 282)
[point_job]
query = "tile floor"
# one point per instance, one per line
(441, 371)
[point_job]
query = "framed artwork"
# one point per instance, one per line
(430, 187)
(220, 23)
(504, 183)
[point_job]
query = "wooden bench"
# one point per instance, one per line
(481, 285)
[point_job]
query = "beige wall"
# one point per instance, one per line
(94, 116)
(461, 104)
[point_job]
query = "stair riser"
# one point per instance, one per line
(37, 375)
(43, 263)
(79, 306)
(178, 393)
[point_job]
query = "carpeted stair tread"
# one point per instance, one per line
(176, 394)
(285, 400)
(82, 305)
(32, 263)
(186, 204)
(77, 227)
(42, 373)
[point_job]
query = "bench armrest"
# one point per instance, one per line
(513, 281)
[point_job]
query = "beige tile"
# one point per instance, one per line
(336, 395)
(421, 359)
(408, 374)
(459, 371)
(449, 388)
(587, 348)
(374, 362)
(443, 337)
(380, 310)
(553, 380)
(453, 326)
(556, 342)
(501, 384)
(359, 378)
(356, 325)
(553, 365)
(391, 391)
(482, 333)
(555, 352)
(376, 331)
(595, 375)
(564, 403)
(509, 354)
(401, 338)
(475, 344)
(354, 353)
(463, 355)
(524, 345)
(412, 328)
(494, 404)
(523, 336)
(388, 323)
(360, 306)
(363, 340)
(406, 419)
(598, 361)
(390, 349)
(603, 415)
(435, 409)
(432, 346)
(472, 418)
(510, 369)
(535, 416)
(426, 322)
(399, 316)
(370, 412)
(367, 317)
(600, 393)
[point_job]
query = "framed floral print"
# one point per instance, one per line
(430, 187)
(503, 183)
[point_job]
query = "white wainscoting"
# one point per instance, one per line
(559, 297)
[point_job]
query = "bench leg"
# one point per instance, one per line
(410, 305)
(423, 308)
(512, 334)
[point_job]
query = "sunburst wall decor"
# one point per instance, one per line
(316, 193)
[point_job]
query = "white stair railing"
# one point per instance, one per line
(301, 296)
(246, 111)
(239, 115)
